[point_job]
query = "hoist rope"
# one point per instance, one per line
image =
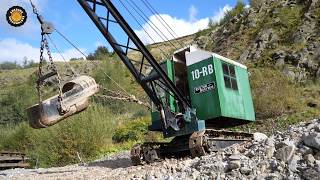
(93, 62)
(162, 21)
(59, 52)
(138, 10)
(141, 26)
(129, 98)
(72, 44)
(81, 52)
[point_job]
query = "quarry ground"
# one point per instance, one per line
(291, 154)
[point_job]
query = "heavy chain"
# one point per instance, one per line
(41, 79)
(44, 46)
(40, 83)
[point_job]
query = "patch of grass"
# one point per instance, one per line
(317, 14)
(289, 20)
(270, 100)
(278, 102)
(270, 125)
(204, 32)
(256, 4)
(87, 134)
(14, 100)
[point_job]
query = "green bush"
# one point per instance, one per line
(14, 100)
(99, 53)
(113, 67)
(86, 134)
(131, 131)
(290, 19)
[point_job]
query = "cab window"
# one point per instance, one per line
(229, 76)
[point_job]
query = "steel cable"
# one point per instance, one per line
(59, 52)
(150, 23)
(162, 51)
(162, 21)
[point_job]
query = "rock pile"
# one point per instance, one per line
(294, 154)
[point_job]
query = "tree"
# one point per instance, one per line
(101, 50)
(25, 62)
(238, 9)
(99, 53)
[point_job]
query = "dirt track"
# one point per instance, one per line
(115, 167)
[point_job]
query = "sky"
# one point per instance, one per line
(184, 17)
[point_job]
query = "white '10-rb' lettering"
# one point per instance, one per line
(202, 72)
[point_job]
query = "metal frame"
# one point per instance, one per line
(147, 82)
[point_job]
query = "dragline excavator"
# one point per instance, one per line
(194, 94)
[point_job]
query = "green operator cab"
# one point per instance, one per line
(218, 88)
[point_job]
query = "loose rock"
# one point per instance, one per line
(285, 153)
(312, 140)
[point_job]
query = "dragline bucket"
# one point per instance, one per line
(76, 94)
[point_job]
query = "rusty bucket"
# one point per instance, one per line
(76, 94)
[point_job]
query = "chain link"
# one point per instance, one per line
(40, 74)
(40, 83)
(61, 108)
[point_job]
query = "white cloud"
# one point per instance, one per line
(181, 27)
(220, 13)
(193, 12)
(14, 50)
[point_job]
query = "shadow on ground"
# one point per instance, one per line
(112, 163)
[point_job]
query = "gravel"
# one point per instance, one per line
(292, 154)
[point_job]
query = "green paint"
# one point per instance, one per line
(207, 103)
(235, 103)
(221, 101)
(210, 95)
(171, 74)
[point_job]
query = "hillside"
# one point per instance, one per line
(279, 33)
(278, 41)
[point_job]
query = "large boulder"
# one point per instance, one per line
(259, 137)
(312, 140)
(285, 154)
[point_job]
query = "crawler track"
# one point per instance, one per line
(10, 160)
(198, 144)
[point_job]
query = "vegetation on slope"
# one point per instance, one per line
(88, 134)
